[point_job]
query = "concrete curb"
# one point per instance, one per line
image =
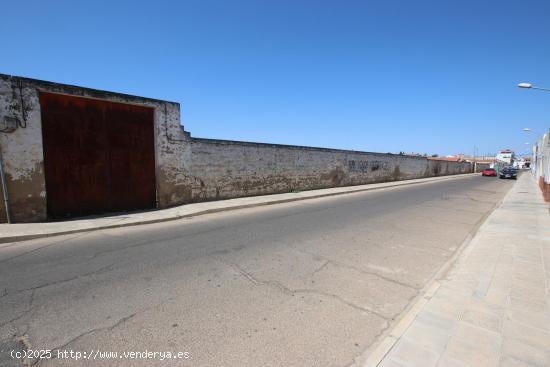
(373, 356)
(231, 206)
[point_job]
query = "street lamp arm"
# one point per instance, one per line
(545, 89)
(531, 86)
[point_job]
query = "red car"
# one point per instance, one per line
(489, 172)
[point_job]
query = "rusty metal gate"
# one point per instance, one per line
(98, 156)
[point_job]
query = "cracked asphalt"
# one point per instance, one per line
(309, 283)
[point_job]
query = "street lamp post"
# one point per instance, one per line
(475, 162)
(542, 169)
(536, 151)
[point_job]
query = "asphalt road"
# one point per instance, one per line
(310, 283)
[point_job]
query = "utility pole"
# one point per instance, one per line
(5, 190)
(475, 163)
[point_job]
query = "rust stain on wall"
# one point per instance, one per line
(396, 175)
(335, 176)
(172, 192)
(27, 195)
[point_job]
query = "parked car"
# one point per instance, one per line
(509, 172)
(489, 172)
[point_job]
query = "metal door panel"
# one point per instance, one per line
(98, 155)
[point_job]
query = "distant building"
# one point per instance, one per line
(505, 156)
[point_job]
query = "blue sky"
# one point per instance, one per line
(424, 76)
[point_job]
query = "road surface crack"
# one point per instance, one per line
(320, 267)
(25, 312)
(117, 324)
(95, 272)
(293, 292)
(351, 267)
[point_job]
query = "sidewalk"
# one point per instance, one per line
(27, 231)
(493, 308)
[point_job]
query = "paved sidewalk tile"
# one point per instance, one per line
(493, 308)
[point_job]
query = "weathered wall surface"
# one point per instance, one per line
(23, 152)
(225, 169)
(188, 169)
